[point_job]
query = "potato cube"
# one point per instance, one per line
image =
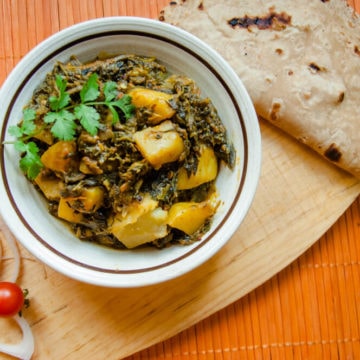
(160, 144)
(206, 171)
(141, 222)
(189, 216)
(156, 102)
(66, 212)
(50, 186)
(89, 201)
(60, 156)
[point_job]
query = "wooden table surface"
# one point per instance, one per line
(308, 310)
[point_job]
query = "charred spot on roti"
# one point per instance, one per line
(341, 97)
(314, 68)
(272, 20)
(357, 50)
(201, 6)
(333, 153)
(275, 110)
(279, 51)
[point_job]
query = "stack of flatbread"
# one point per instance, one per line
(299, 60)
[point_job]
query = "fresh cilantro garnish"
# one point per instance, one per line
(65, 117)
(90, 91)
(30, 162)
(27, 126)
(124, 104)
(110, 91)
(64, 124)
(59, 102)
(89, 118)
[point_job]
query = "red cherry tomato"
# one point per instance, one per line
(11, 299)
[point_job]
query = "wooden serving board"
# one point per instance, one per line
(299, 197)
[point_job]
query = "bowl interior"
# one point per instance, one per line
(47, 237)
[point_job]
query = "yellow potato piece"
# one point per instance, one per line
(160, 144)
(50, 186)
(72, 208)
(156, 102)
(207, 170)
(141, 222)
(147, 228)
(60, 156)
(66, 212)
(90, 200)
(189, 216)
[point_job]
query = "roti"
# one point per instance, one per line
(300, 62)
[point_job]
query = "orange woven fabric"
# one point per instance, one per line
(310, 310)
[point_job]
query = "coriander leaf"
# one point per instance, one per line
(29, 114)
(20, 146)
(15, 131)
(90, 91)
(60, 83)
(125, 105)
(110, 91)
(89, 118)
(59, 102)
(54, 103)
(30, 163)
(28, 127)
(64, 124)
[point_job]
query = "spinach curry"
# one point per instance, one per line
(124, 151)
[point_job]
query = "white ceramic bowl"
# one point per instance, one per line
(47, 238)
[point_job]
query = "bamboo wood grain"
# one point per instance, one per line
(299, 197)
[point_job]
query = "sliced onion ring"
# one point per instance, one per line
(24, 349)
